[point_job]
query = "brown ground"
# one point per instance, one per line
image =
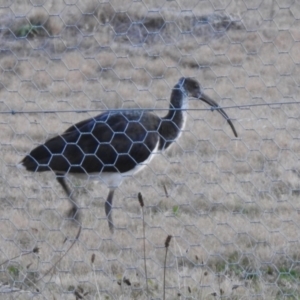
(232, 205)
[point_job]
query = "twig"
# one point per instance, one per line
(167, 244)
(34, 250)
(141, 201)
(166, 191)
(92, 261)
(54, 266)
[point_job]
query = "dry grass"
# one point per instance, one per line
(231, 205)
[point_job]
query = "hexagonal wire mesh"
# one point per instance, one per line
(230, 204)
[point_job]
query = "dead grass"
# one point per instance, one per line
(232, 206)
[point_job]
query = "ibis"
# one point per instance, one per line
(115, 144)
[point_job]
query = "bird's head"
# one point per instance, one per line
(191, 88)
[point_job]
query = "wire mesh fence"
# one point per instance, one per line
(220, 214)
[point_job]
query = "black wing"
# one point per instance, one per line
(111, 142)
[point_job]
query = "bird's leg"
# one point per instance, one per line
(108, 205)
(73, 212)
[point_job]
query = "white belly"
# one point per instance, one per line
(114, 179)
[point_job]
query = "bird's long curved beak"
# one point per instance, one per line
(216, 106)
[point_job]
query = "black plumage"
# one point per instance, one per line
(110, 142)
(115, 143)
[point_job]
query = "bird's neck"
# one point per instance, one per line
(174, 122)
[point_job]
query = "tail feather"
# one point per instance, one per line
(41, 157)
(37, 161)
(50, 156)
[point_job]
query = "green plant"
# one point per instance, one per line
(28, 30)
(14, 271)
(176, 210)
(289, 275)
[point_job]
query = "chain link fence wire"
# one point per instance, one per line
(228, 207)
